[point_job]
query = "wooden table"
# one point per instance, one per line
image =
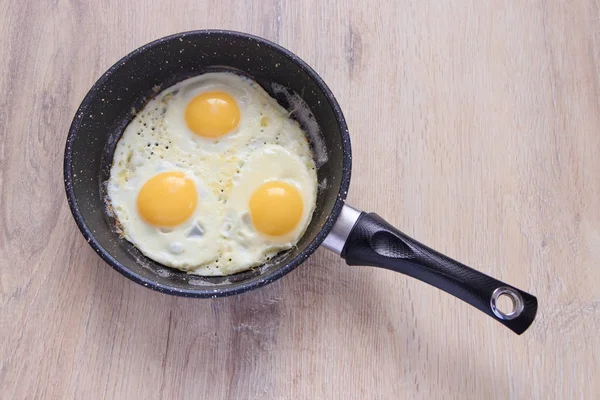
(475, 128)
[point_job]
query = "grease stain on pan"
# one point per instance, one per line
(201, 282)
(322, 185)
(302, 113)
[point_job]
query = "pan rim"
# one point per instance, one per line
(207, 291)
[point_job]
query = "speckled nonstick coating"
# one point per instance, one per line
(130, 83)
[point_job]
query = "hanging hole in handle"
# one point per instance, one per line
(499, 304)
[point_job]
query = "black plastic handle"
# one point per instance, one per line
(375, 242)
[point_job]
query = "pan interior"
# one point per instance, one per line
(128, 85)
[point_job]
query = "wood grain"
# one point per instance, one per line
(476, 129)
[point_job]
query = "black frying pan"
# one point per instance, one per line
(360, 238)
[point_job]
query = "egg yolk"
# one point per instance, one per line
(212, 114)
(167, 199)
(275, 208)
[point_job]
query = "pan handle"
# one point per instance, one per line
(367, 239)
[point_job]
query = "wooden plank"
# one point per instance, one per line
(475, 128)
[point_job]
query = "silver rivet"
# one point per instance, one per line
(515, 297)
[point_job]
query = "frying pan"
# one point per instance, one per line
(358, 237)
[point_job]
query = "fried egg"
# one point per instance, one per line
(268, 208)
(219, 112)
(166, 211)
(212, 177)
